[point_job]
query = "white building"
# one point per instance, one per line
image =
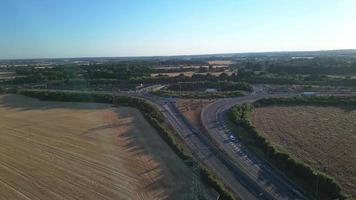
(211, 90)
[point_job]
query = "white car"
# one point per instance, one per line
(232, 138)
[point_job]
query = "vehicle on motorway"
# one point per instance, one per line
(232, 138)
(308, 94)
(182, 65)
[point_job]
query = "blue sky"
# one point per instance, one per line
(76, 28)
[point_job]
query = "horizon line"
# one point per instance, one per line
(178, 55)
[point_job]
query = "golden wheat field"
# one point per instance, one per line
(58, 150)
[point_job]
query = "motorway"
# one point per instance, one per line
(272, 182)
(206, 152)
(243, 173)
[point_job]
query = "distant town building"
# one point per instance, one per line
(211, 90)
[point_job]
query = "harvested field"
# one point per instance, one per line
(221, 62)
(6, 75)
(58, 150)
(191, 109)
(323, 137)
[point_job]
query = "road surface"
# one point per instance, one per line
(244, 175)
(207, 153)
(240, 170)
(271, 180)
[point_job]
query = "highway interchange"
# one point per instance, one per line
(249, 177)
(244, 173)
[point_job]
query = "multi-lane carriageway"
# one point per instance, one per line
(243, 172)
(264, 176)
(207, 153)
(246, 175)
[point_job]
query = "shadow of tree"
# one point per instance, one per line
(27, 103)
(174, 176)
(171, 179)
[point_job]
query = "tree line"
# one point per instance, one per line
(240, 116)
(151, 114)
(203, 85)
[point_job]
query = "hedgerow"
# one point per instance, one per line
(151, 114)
(240, 116)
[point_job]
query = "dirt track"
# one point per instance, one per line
(54, 150)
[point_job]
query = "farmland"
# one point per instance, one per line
(322, 137)
(6, 75)
(57, 150)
